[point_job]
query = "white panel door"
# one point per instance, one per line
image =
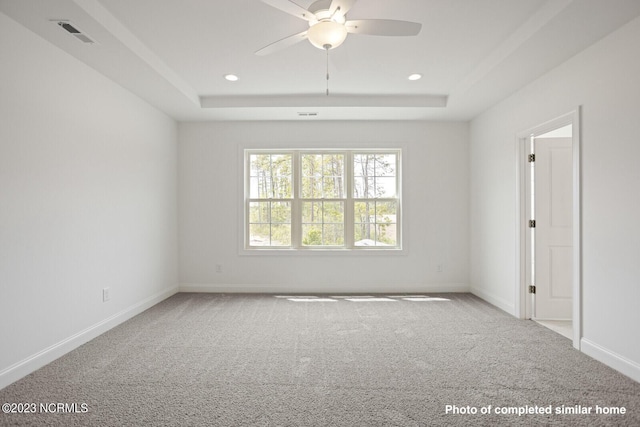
(553, 215)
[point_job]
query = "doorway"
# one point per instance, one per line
(548, 288)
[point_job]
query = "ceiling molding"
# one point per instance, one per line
(512, 43)
(173, 55)
(102, 16)
(311, 101)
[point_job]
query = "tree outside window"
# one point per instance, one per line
(323, 199)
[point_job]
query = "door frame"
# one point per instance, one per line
(522, 223)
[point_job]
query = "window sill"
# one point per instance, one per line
(369, 251)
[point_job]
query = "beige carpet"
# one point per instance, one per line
(259, 360)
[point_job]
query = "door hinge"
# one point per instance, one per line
(532, 289)
(532, 158)
(532, 223)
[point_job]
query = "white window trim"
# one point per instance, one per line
(296, 218)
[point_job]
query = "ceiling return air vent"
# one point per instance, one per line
(74, 31)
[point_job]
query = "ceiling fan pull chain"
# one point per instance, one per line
(327, 47)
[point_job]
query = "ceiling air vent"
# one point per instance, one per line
(74, 31)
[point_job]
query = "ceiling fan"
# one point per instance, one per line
(328, 25)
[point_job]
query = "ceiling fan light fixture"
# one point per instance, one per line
(327, 34)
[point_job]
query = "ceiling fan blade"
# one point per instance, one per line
(344, 6)
(383, 27)
(291, 8)
(282, 43)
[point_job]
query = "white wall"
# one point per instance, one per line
(88, 176)
(435, 204)
(603, 80)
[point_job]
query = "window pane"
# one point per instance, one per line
(375, 223)
(364, 187)
(258, 162)
(385, 187)
(281, 169)
(281, 235)
(333, 187)
(374, 176)
(386, 232)
(323, 234)
(333, 212)
(311, 235)
(311, 187)
(333, 234)
(281, 212)
(259, 212)
(270, 176)
(386, 212)
(322, 223)
(364, 221)
(270, 223)
(280, 223)
(333, 174)
(322, 176)
(318, 211)
(311, 176)
(364, 211)
(386, 235)
(386, 165)
(363, 165)
(311, 212)
(260, 235)
(253, 188)
(364, 234)
(260, 179)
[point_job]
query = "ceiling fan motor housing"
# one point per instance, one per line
(321, 10)
(327, 34)
(328, 31)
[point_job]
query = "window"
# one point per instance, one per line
(375, 193)
(322, 199)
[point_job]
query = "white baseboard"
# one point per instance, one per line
(36, 361)
(609, 358)
(502, 304)
(306, 289)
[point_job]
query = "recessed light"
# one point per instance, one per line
(231, 77)
(414, 77)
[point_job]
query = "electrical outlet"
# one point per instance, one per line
(105, 295)
(218, 268)
(440, 268)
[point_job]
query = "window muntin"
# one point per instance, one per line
(322, 199)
